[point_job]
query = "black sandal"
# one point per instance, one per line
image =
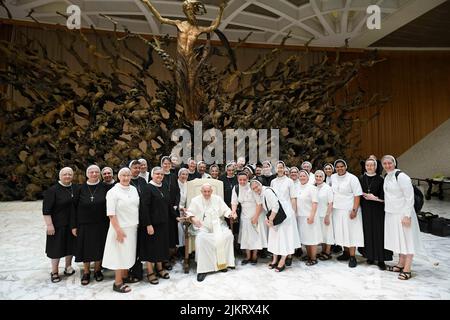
(163, 275)
(98, 275)
(272, 265)
(245, 261)
(85, 279)
(130, 279)
(280, 269)
(152, 278)
(69, 271)
(392, 268)
(311, 262)
(324, 256)
(54, 277)
(121, 288)
(404, 275)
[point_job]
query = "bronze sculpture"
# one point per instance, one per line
(188, 32)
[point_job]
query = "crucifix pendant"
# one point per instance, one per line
(92, 198)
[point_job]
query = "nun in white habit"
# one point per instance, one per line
(252, 232)
(213, 241)
(347, 221)
(308, 224)
(284, 188)
(183, 175)
(122, 208)
(324, 214)
(328, 169)
(401, 233)
(144, 170)
(307, 166)
(281, 236)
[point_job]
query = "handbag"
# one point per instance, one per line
(280, 216)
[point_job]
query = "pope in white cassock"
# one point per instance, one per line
(214, 240)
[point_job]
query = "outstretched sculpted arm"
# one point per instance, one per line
(158, 15)
(216, 22)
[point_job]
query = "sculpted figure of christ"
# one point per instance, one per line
(188, 33)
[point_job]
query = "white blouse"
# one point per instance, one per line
(312, 178)
(123, 202)
(246, 198)
(324, 197)
(305, 199)
(269, 200)
(345, 189)
(284, 188)
(398, 194)
(183, 194)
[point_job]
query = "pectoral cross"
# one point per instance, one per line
(92, 198)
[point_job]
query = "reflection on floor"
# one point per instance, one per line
(24, 272)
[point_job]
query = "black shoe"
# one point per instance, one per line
(288, 262)
(370, 262)
(336, 249)
(352, 262)
(224, 270)
(201, 277)
(343, 257)
(245, 261)
(382, 265)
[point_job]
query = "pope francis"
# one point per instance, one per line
(213, 239)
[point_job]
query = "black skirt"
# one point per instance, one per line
(90, 242)
(61, 244)
(154, 248)
(173, 232)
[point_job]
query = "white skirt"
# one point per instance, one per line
(327, 231)
(252, 237)
(400, 239)
(120, 256)
(347, 232)
(284, 238)
(310, 234)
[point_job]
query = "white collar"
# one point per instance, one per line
(92, 183)
(65, 185)
(370, 175)
(156, 184)
(393, 172)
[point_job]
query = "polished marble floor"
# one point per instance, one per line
(24, 272)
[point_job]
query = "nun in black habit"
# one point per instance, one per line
(90, 224)
(136, 272)
(372, 207)
(153, 230)
(170, 180)
(58, 208)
